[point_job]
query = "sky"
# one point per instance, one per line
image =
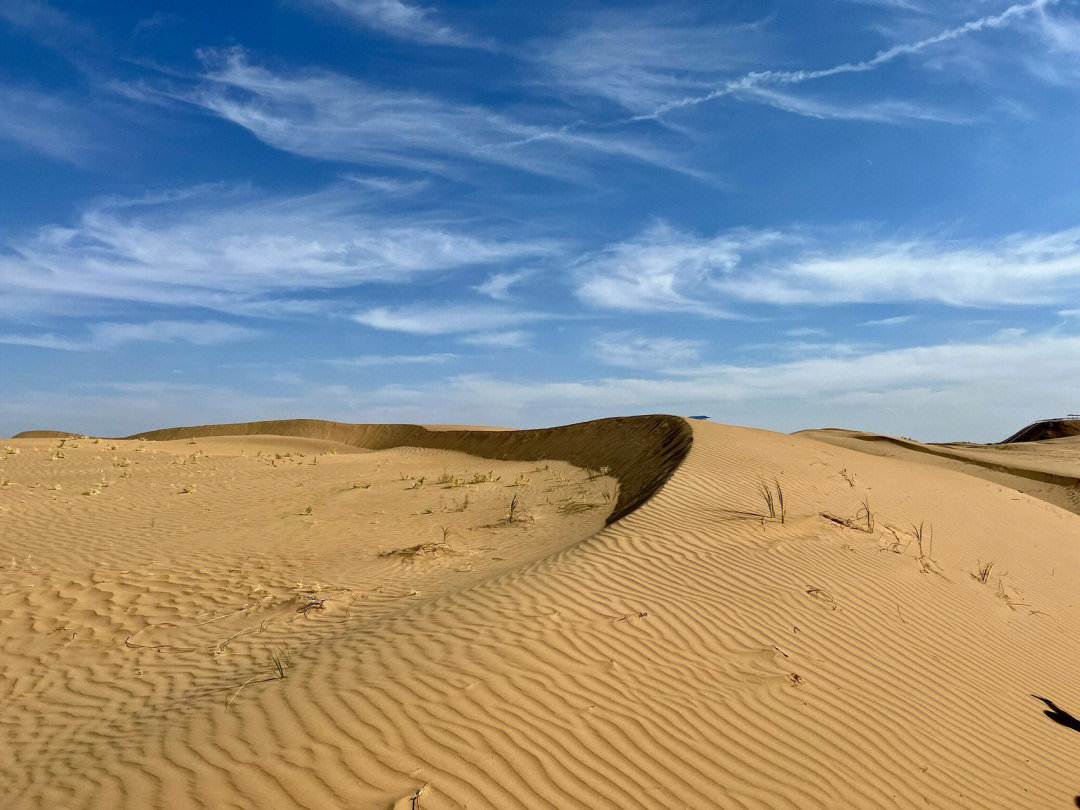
(784, 215)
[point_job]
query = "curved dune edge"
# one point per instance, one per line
(642, 451)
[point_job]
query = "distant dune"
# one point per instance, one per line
(644, 612)
(1048, 469)
(1047, 429)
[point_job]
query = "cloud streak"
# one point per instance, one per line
(751, 80)
(109, 335)
(321, 114)
(397, 19)
(444, 319)
(664, 269)
(235, 249)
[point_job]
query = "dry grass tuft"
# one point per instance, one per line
(514, 513)
(280, 660)
(774, 503)
(982, 573)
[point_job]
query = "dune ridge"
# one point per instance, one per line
(642, 451)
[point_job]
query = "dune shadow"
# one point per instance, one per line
(1059, 715)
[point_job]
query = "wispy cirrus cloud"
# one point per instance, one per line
(512, 339)
(884, 111)
(896, 320)
(664, 269)
(109, 335)
(444, 319)
(48, 123)
(639, 60)
(43, 22)
(498, 285)
(631, 350)
(321, 114)
(235, 249)
(397, 19)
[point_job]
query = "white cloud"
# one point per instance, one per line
(660, 270)
(513, 339)
(663, 269)
(368, 360)
(234, 249)
(640, 59)
(498, 285)
(638, 351)
(320, 114)
(894, 321)
(397, 19)
(48, 123)
(108, 335)
(434, 319)
(887, 111)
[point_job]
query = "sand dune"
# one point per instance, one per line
(1048, 469)
(1047, 429)
(644, 635)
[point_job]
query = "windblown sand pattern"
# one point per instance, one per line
(225, 647)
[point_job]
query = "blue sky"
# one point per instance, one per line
(859, 213)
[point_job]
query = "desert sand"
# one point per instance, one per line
(671, 614)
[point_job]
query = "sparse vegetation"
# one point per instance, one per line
(774, 502)
(982, 573)
(513, 511)
(280, 660)
(864, 514)
(925, 543)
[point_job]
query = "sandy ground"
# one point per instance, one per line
(281, 622)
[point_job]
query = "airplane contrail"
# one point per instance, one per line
(752, 79)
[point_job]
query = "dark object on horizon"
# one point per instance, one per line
(699, 417)
(1042, 429)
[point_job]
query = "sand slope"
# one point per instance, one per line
(1048, 469)
(694, 653)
